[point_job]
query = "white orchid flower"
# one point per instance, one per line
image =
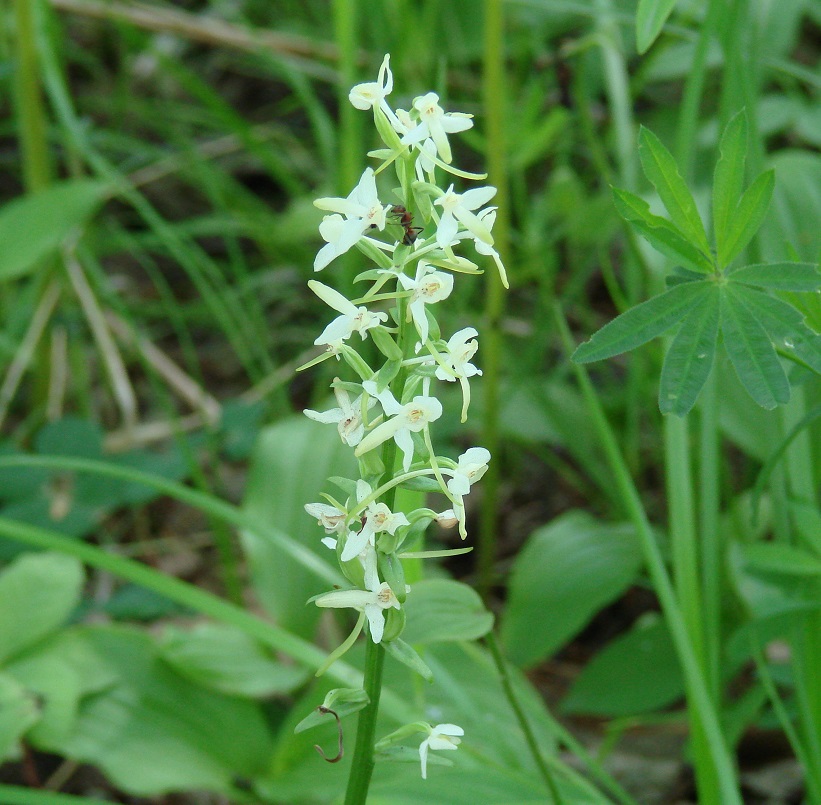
(472, 465)
(461, 347)
(347, 417)
(329, 517)
(429, 286)
(436, 124)
(404, 419)
(372, 94)
(487, 217)
(362, 210)
(378, 518)
(373, 602)
(353, 318)
(405, 124)
(442, 736)
(458, 208)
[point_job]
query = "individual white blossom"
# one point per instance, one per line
(405, 124)
(436, 124)
(404, 419)
(472, 465)
(447, 518)
(347, 417)
(378, 518)
(329, 517)
(487, 218)
(428, 287)
(461, 347)
(353, 319)
(442, 736)
(458, 208)
(373, 602)
(362, 210)
(373, 93)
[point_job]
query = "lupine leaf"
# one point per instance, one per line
(650, 17)
(785, 326)
(728, 179)
(749, 215)
(780, 276)
(690, 357)
(659, 232)
(642, 323)
(751, 352)
(661, 169)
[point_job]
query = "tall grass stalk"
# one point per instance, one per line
(495, 95)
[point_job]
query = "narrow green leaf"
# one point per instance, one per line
(785, 326)
(749, 216)
(751, 352)
(33, 226)
(642, 323)
(650, 17)
(661, 169)
(785, 560)
(729, 178)
(780, 276)
(689, 360)
(659, 232)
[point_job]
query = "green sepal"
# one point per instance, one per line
(371, 464)
(394, 625)
(386, 131)
(389, 370)
(356, 362)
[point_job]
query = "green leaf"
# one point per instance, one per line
(33, 226)
(690, 357)
(642, 323)
(636, 673)
(566, 572)
(442, 610)
(38, 592)
(291, 462)
(749, 215)
(18, 711)
(661, 169)
(223, 658)
(773, 558)
(650, 17)
(785, 326)
(729, 179)
(751, 352)
(779, 276)
(152, 731)
(659, 232)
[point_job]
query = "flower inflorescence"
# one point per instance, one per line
(385, 414)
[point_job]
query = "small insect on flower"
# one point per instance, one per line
(405, 221)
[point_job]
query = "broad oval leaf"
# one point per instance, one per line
(642, 323)
(566, 572)
(38, 592)
(441, 610)
(33, 226)
(751, 352)
(779, 276)
(689, 359)
(645, 664)
(661, 169)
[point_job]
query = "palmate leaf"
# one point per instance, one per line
(690, 357)
(749, 216)
(785, 326)
(780, 276)
(642, 323)
(660, 168)
(751, 352)
(728, 179)
(659, 232)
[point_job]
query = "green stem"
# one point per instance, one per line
(363, 760)
(695, 685)
(31, 115)
(524, 725)
(494, 95)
